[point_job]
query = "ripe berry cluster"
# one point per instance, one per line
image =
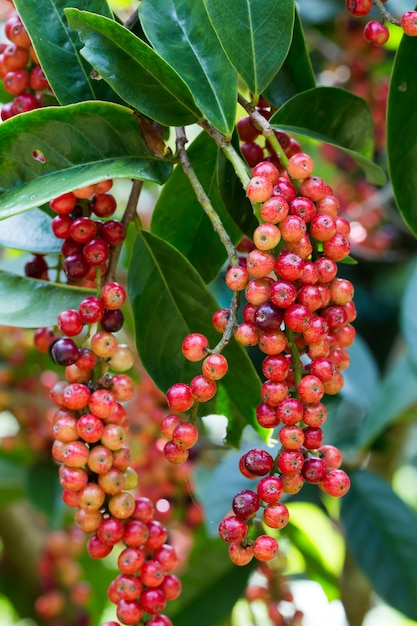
(183, 434)
(86, 240)
(20, 71)
(299, 314)
(90, 429)
(376, 32)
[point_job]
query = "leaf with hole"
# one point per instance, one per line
(81, 144)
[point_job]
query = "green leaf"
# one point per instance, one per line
(401, 143)
(12, 481)
(136, 72)
(334, 116)
(408, 322)
(380, 532)
(318, 543)
(81, 144)
(44, 490)
(397, 393)
(182, 34)
(58, 48)
(296, 74)
(30, 303)
(169, 300)
(255, 34)
(362, 376)
(211, 584)
(30, 232)
(178, 205)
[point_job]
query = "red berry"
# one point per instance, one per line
(376, 33)
(409, 23)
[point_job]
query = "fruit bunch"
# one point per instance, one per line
(90, 429)
(375, 31)
(183, 434)
(87, 241)
(20, 71)
(299, 314)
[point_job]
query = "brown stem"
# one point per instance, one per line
(128, 217)
(386, 14)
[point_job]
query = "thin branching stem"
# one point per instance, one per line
(203, 198)
(128, 217)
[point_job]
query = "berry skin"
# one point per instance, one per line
(376, 33)
(195, 346)
(202, 388)
(300, 166)
(246, 129)
(259, 189)
(179, 398)
(336, 483)
(265, 548)
(113, 295)
(270, 489)
(70, 322)
(359, 8)
(185, 435)
(314, 470)
(276, 515)
(240, 555)
(64, 351)
(267, 170)
(258, 462)
(245, 504)
(409, 23)
(232, 529)
(214, 366)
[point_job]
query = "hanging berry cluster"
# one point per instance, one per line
(90, 425)
(20, 71)
(299, 314)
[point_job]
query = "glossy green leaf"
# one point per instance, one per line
(397, 393)
(401, 138)
(58, 48)
(255, 34)
(169, 300)
(182, 34)
(44, 490)
(233, 194)
(79, 144)
(408, 320)
(309, 539)
(30, 303)
(334, 116)
(12, 481)
(136, 72)
(209, 573)
(296, 74)
(179, 218)
(30, 232)
(380, 533)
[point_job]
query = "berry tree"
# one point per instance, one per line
(205, 395)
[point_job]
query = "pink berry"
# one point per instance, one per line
(409, 23)
(376, 33)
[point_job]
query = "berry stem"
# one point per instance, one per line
(261, 123)
(229, 152)
(128, 217)
(296, 361)
(386, 15)
(231, 323)
(202, 197)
